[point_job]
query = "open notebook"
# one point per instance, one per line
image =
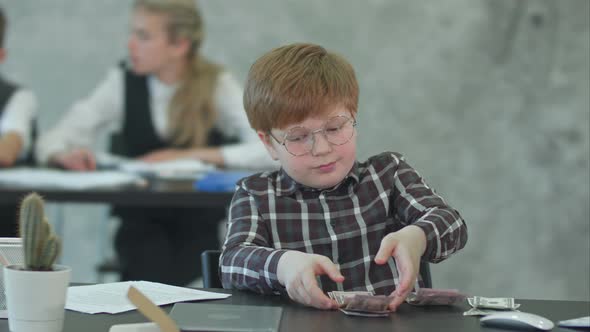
(189, 169)
(226, 317)
(35, 178)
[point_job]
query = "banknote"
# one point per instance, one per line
(365, 313)
(482, 306)
(368, 303)
(361, 303)
(343, 297)
(498, 303)
(483, 312)
(433, 296)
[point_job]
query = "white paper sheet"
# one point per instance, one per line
(172, 169)
(112, 297)
(51, 178)
(167, 168)
(582, 322)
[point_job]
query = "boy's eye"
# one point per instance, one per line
(297, 134)
(333, 129)
(297, 138)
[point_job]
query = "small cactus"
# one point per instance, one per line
(40, 243)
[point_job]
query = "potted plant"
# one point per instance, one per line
(36, 291)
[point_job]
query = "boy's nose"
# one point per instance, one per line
(320, 145)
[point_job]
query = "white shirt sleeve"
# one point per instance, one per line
(233, 122)
(82, 124)
(18, 115)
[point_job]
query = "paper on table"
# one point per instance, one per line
(51, 178)
(170, 169)
(575, 322)
(167, 168)
(107, 160)
(112, 297)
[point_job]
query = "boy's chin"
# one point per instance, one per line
(326, 183)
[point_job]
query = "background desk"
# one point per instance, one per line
(158, 193)
(299, 318)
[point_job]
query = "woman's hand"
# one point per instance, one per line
(207, 155)
(165, 155)
(79, 159)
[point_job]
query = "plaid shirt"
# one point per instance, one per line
(271, 213)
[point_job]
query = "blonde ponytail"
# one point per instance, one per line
(191, 112)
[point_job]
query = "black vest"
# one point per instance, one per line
(138, 135)
(7, 89)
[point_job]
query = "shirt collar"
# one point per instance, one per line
(286, 185)
(160, 88)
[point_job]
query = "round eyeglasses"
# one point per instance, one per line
(299, 140)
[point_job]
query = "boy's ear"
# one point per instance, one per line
(267, 141)
(2, 54)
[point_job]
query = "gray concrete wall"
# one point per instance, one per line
(488, 99)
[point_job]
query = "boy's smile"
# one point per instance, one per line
(326, 164)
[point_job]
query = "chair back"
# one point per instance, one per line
(425, 274)
(210, 268)
(211, 279)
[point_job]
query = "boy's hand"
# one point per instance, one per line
(77, 159)
(406, 246)
(297, 271)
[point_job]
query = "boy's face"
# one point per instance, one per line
(150, 48)
(326, 164)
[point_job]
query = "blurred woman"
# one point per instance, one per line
(170, 103)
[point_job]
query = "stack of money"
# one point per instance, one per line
(432, 296)
(482, 306)
(364, 304)
(367, 304)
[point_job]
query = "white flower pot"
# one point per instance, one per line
(36, 299)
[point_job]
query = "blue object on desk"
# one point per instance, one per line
(220, 181)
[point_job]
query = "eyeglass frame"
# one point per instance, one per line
(313, 132)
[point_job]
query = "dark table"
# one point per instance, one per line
(299, 318)
(157, 193)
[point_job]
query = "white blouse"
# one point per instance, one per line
(103, 110)
(18, 115)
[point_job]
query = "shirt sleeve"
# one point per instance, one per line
(18, 116)
(248, 260)
(417, 204)
(82, 124)
(233, 122)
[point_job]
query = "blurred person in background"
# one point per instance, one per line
(171, 103)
